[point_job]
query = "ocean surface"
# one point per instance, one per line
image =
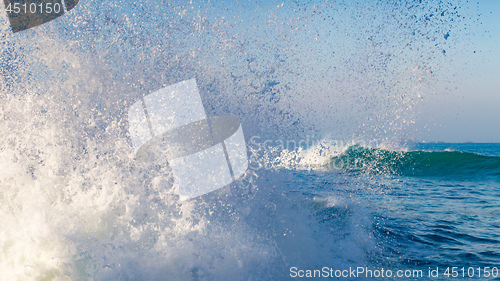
(422, 206)
(308, 80)
(431, 205)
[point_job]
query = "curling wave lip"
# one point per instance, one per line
(205, 153)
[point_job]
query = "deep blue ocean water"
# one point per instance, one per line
(450, 217)
(429, 205)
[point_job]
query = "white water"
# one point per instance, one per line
(75, 205)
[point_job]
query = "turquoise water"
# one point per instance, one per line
(417, 207)
(453, 162)
(424, 206)
(440, 205)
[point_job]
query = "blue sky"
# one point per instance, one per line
(458, 102)
(469, 110)
(370, 69)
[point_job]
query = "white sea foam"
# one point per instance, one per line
(75, 205)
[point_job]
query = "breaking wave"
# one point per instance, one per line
(420, 163)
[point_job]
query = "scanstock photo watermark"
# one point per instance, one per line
(26, 14)
(204, 152)
(438, 273)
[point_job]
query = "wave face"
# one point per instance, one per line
(419, 163)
